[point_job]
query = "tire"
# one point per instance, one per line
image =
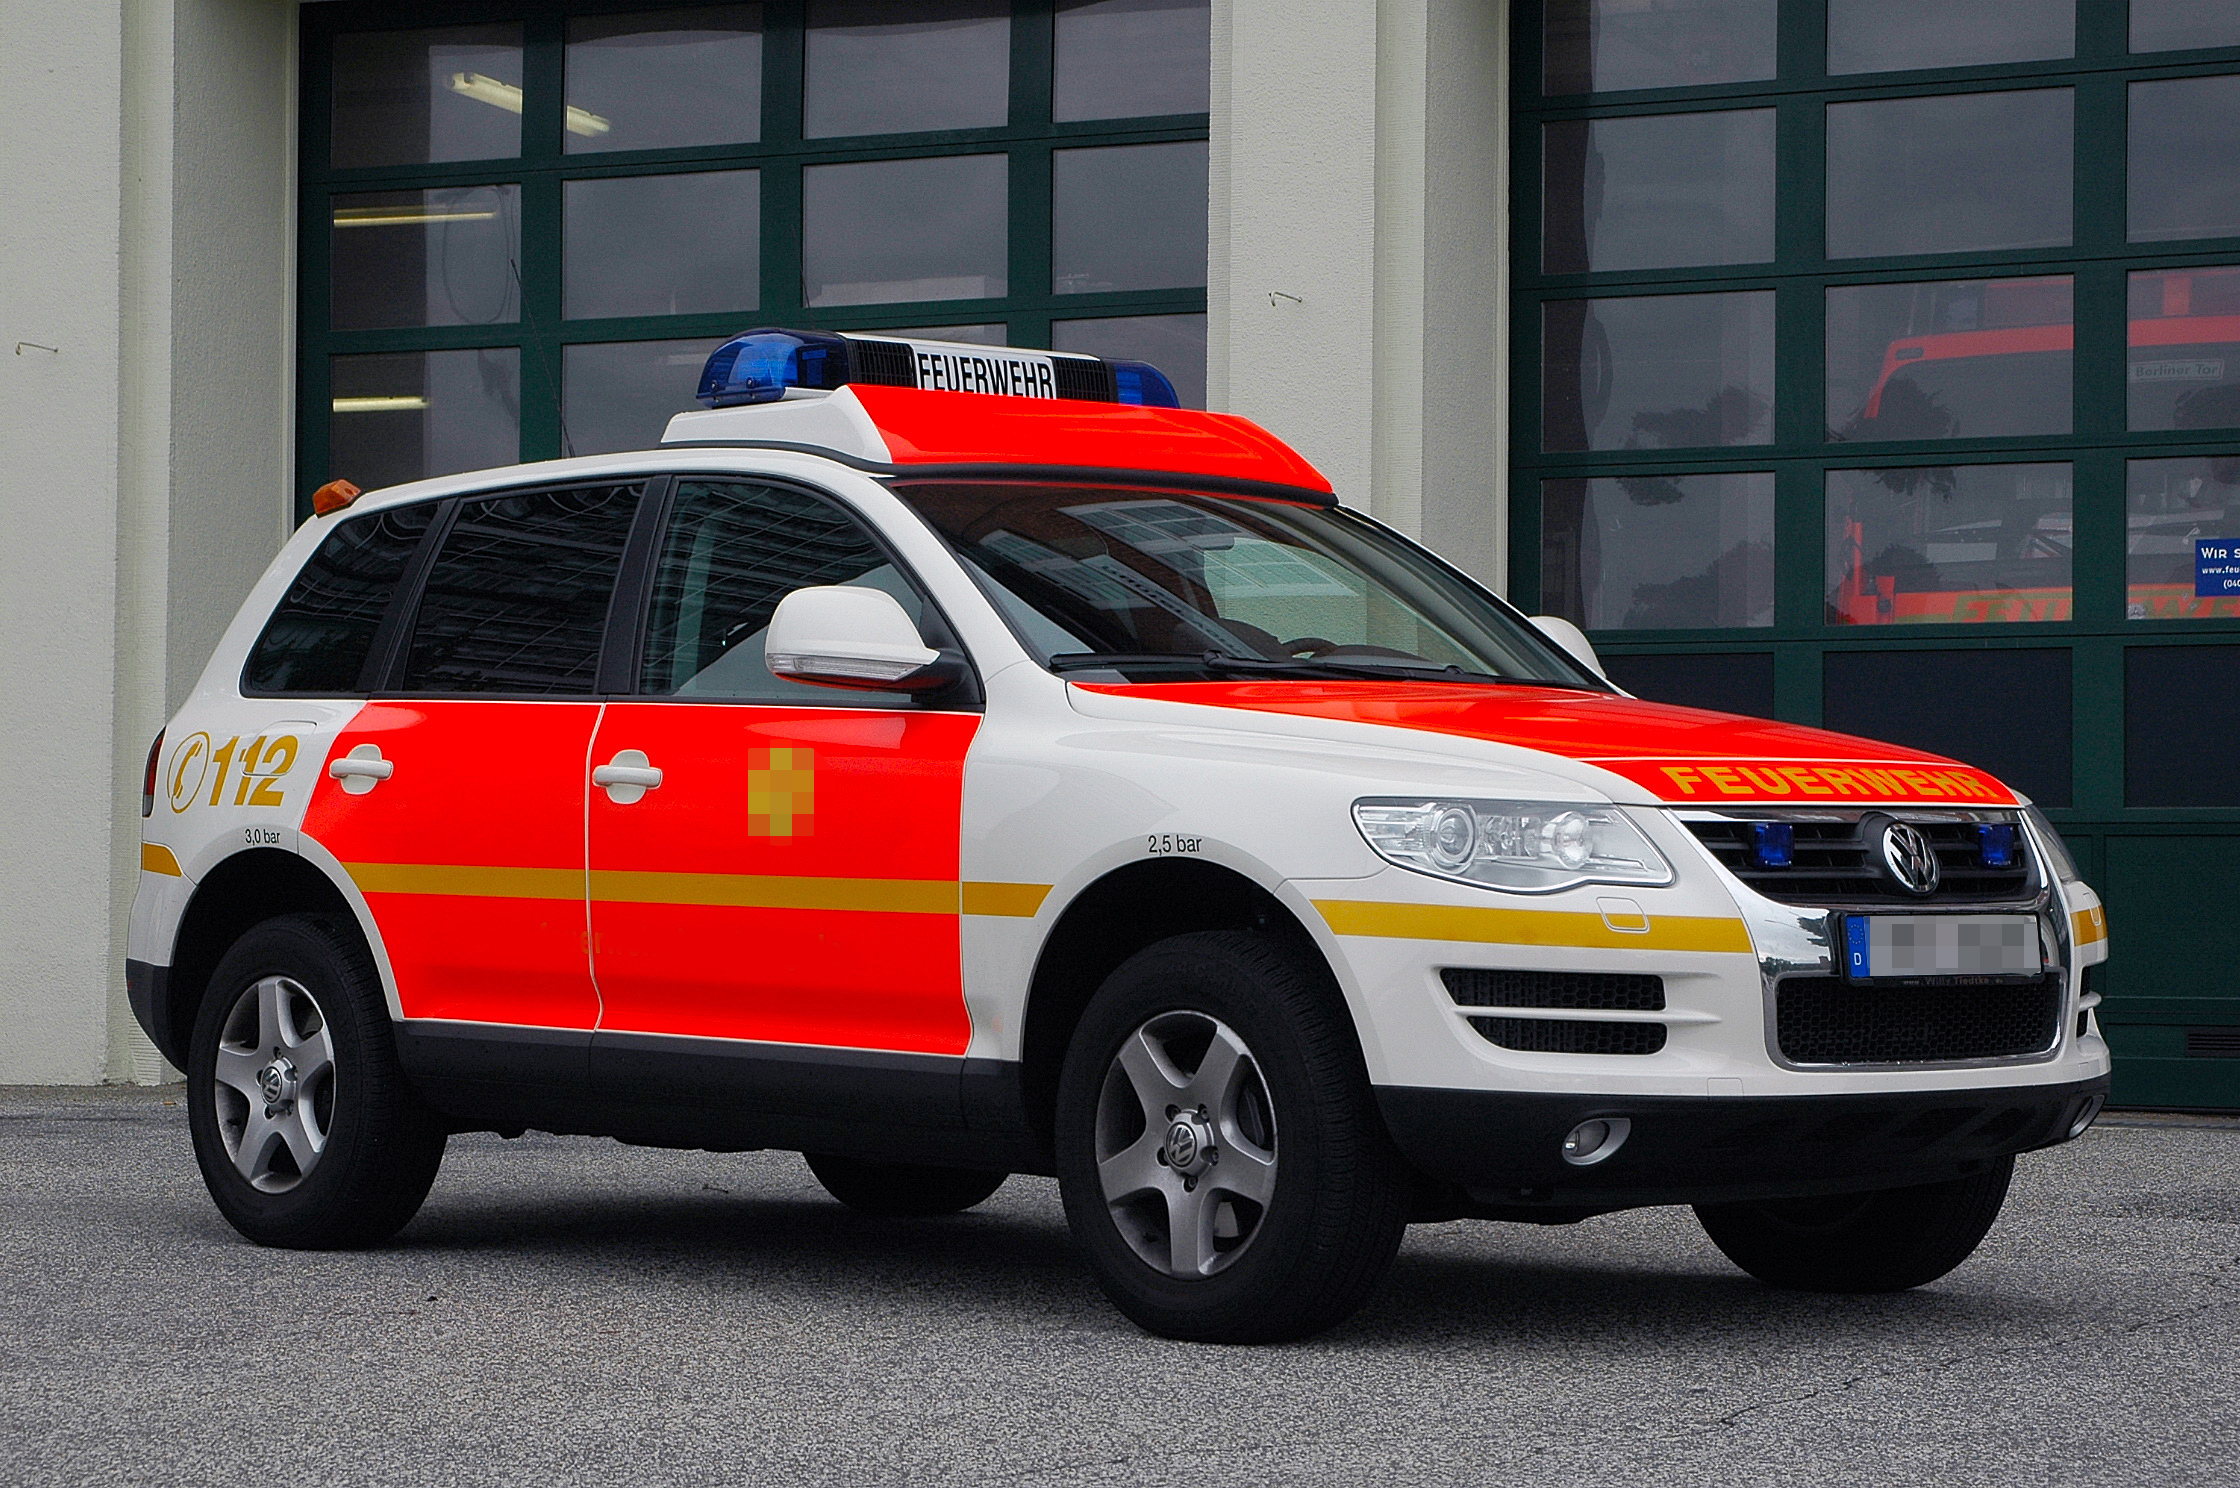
(902, 1189)
(306, 1132)
(1885, 1241)
(1294, 1217)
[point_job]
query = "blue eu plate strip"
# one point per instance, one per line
(1855, 944)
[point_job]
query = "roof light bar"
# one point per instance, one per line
(762, 365)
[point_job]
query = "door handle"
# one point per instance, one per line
(362, 769)
(627, 777)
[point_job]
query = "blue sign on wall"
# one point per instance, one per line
(2216, 567)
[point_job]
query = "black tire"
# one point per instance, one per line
(1885, 1241)
(381, 1147)
(1304, 1131)
(902, 1189)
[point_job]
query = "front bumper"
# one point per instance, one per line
(1500, 1152)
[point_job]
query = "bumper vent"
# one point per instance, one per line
(1570, 1035)
(1834, 861)
(1473, 987)
(1825, 1020)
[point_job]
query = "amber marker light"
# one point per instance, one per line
(333, 497)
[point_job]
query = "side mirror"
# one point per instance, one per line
(840, 636)
(1572, 639)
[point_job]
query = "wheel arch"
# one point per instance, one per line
(242, 891)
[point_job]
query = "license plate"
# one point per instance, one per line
(1941, 946)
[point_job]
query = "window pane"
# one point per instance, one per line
(620, 395)
(1123, 59)
(732, 551)
(426, 258)
(978, 335)
(1965, 545)
(408, 415)
(2184, 517)
(2002, 711)
(1725, 683)
(1601, 46)
(2185, 159)
(662, 245)
(660, 79)
(1953, 174)
(2169, 25)
(1128, 217)
(1888, 35)
(1658, 552)
(2185, 349)
(1966, 359)
(886, 230)
(1661, 191)
(410, 97)
(886, 66)
(1175, 344)
(2181, 712)
(317, 640)
(1658, 371)
(517, 599)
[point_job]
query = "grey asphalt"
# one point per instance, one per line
(569, 1311)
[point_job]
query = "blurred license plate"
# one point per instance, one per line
(1940, 946)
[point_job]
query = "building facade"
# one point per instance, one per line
(1873, 363)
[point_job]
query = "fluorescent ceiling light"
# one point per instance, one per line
(399, 403)
(483, 88)
(395, 216)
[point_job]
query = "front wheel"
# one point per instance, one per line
(1219, 1149)
(1886, 1241)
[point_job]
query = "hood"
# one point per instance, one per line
(1685, 756)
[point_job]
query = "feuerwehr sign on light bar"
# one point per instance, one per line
(960, 367)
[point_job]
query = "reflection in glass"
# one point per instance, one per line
(413, 97)
(1966, 544)
(1128, 217)
(2185, 159)
(2172, 25)
(887, 66)
(1658, 191)
(1602, 46)
(1126, 59)
(997, 334)
(2172, 507)
(426, 258)
(2184, 364)
(1658, 552)
(1891, 35)
(620, 395)
(1951, 174)
(886, 230)
(1175, 344)
(660, 79)
(661, 245)
(404, 416)
(1658, 371)
(1967, 359)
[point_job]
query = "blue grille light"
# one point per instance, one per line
(1995, 840)
(1772, 844)
(759, 366)
(1143, 384)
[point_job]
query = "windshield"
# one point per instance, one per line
(1158, 585)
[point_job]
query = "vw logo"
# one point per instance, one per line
(1909, 859)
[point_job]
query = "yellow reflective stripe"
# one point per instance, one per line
(1015, 900)
(156, 858)
(466, 881)
(1541, 927)
(2088, 925)
(768, 891)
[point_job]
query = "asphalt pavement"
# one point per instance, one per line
(568, 1311)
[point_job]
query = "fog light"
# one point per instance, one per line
(2085, 1116)
(1591, 1141)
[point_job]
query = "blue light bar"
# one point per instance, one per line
(759, 366)
(1144, 385)
(762, 365)
(1772, 844)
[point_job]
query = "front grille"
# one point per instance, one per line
(1826, 1020)
(1473, 987)
(1570, 1036)
(1835, 860)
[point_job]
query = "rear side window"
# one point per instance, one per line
(316, 641)
(516, 601)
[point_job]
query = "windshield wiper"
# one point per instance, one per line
(1297, 666)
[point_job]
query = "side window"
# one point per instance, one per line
(516, 602)
(315, 644)
(731, 552)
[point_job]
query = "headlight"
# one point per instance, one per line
(1528, 846)
(2049, 840)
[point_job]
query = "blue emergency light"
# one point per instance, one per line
(1995, 840)
(761, 365)
(1772, 844)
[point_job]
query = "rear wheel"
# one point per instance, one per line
(1885, 1241)
(905, 1189)
(306, 1133)
(1219, 1150)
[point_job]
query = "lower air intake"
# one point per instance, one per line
(1570, 1036)
(1826, 1020)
